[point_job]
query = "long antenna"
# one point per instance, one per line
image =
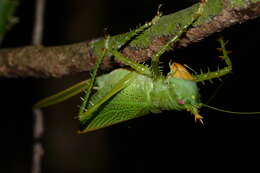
(231, 112)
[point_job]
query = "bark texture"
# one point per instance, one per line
(57, 61)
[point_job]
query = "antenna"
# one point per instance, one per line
(230, 112)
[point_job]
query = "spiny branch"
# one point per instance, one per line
(38, 61)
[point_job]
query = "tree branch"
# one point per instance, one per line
(38, 61)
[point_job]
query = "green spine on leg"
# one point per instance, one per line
(219, 73)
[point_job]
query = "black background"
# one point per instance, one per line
(164, 142)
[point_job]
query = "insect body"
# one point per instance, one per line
(141, 96)
(123, 94)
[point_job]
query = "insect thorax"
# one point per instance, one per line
(174, 94)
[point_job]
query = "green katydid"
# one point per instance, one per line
(123, 94)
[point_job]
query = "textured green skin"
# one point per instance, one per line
(168, 25)
(143, 96)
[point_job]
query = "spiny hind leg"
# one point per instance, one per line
(130, 35)
(146, 25)
(143, 69)
(221, 72)
(155, 59)
(167, 46)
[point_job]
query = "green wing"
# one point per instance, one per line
(116, 101)
(62, 95)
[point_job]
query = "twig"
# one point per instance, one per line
(38, 128)
(38, 150)
(38, 22)
(38, 61)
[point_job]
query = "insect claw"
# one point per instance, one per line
(199, 118)
(201, 121)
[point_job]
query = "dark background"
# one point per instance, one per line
(161, 142)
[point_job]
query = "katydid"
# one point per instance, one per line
(126, 94)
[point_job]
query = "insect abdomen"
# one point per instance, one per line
(129, 103)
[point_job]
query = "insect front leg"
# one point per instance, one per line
(218, 73)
